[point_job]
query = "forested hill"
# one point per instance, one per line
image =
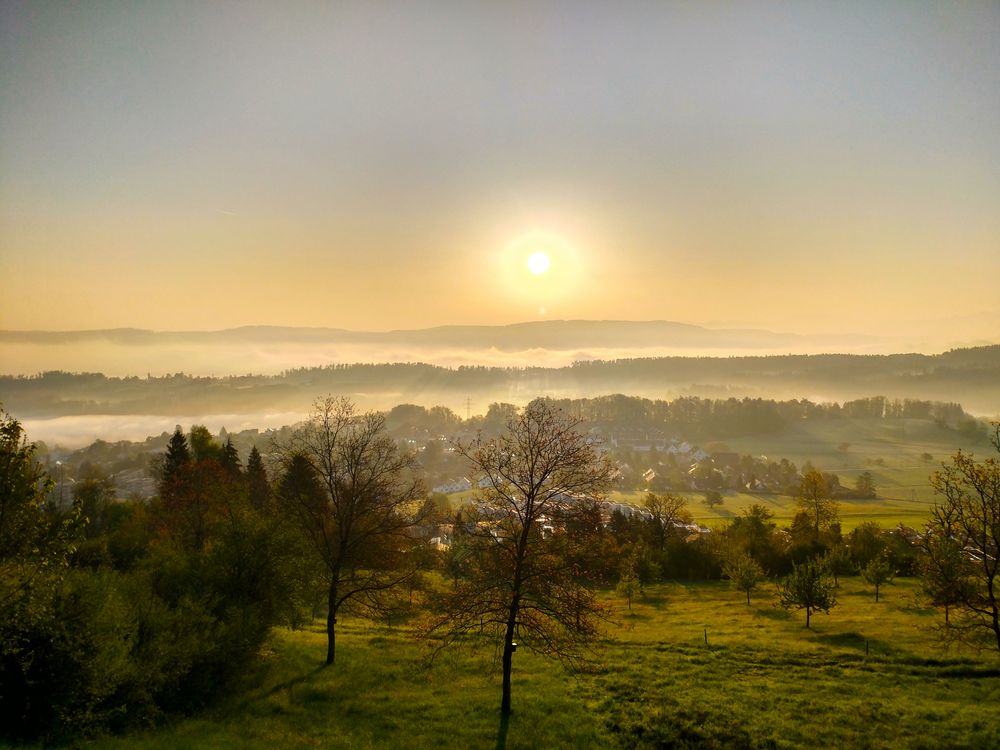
(968, 376)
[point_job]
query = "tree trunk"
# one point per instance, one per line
(807, 616)
(748, 597)
(876, 593)
(331, 624)
(996, 621)
(508, 652)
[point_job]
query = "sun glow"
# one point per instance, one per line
(538, 263)
(541, 272)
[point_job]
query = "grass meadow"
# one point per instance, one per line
(691, 665)
(893, 451)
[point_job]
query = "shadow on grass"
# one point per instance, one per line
(857, 642)
(298, 680)
(502, 732)
(773, 613)
(656, 601)
(634, 616)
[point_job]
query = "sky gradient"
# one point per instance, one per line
(806, 167)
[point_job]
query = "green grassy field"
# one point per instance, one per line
(893, 451)
(885, 511)
(690, 666)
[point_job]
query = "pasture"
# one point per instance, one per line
(895, 452)
(690, 666)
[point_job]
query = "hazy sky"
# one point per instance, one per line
(799, 166)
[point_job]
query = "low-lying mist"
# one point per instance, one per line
(79, 431)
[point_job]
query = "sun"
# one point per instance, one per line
(538, 263)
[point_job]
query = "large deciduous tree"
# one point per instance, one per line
(962, 544)
(814, 500)
(34, 549)
(353, 493)
(31, 541)
(524, 579)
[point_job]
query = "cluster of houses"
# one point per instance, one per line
(439, 536)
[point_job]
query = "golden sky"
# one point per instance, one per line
(807, 167)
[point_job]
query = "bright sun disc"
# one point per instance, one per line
(538, 263)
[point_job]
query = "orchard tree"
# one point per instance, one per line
(809, 587)
(838, 562)
(968, 518)
(353, 494)
(878, 572)
(628, 579)
(744, 573)
(712, 498)
(523, 579)
(946, 572)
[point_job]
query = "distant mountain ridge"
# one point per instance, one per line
(547, 334)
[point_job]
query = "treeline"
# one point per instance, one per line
(687, 418)
(973, 372)
(692, 418)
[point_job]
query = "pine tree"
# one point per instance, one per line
(175, 463)
(258, 487)
(230, 460)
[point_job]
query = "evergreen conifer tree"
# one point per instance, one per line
(258, 488)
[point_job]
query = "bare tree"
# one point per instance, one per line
(666, 510)
(524, 579)
(962, 545)
(353, 494)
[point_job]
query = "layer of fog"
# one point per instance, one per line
(80, 431)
